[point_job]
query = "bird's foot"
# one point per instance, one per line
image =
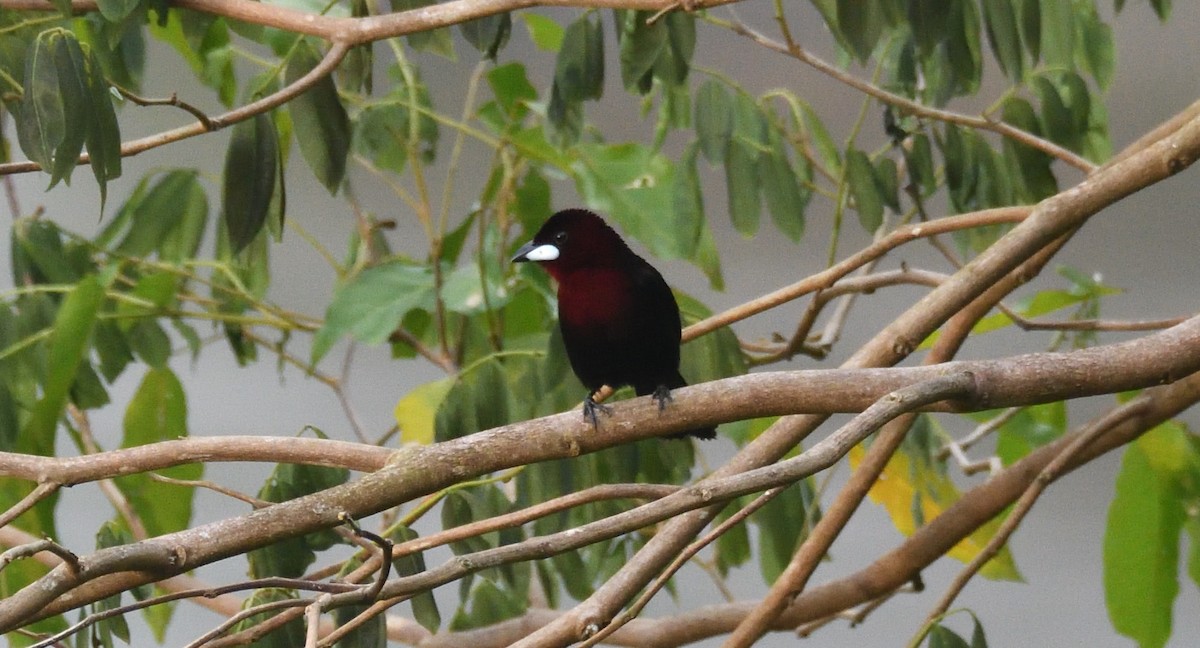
(662, 395)
(590, 407)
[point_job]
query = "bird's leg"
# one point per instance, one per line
(590, 406)
(661, 395)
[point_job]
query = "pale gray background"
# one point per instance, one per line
(1141, 243)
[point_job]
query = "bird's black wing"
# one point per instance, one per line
(657, 331)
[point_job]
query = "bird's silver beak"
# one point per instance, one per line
(533, 251)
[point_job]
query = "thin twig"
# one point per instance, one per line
(981, 431)
(173, 100)
(908, 105)
(37, 546)
(39, 493)
(829, 276)
(1027, 324)
(213, 486)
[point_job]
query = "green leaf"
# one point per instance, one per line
(742, 183)
(782, 525)
(860, 24)
(41, 117)
(112, 349)
(150, 342)
(1141, 540)
(1029, 15)
(641, 45)
(1098, 54)
(39, 255)
(76, 101)
(183, 240)
(714, 120)
(111, 534)
(1058, 120)
(488, 34)
(512, 89)
(674, 65)
(1031, 165)
(1000, 19)
(381, 135)
(887, 179)
(963, 49)
(158, 412)
(154, 215)
(1029, 430)
(68, 346)
(930, 22)
(249, 179)
(978, 638)
(87, 392)
(463, 291)
(827, 151)
(103, 134)
(370, 306)
(116, 10)
(579, 69)
(439, 41)
(867, 201)
(1058, 34)
(384, 132)
(942, 637)
(628, 181)
(424, 605)
(785, 198)
(920, 164)
(687, 206)
(290, 557)
(546, 34)
(321, 125)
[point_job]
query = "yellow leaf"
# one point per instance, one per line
(901, 488)
(416, 411)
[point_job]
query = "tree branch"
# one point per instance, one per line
(889, 572)
(414, 471)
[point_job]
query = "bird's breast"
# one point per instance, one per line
(596, 299)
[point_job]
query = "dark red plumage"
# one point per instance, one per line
(620, 323)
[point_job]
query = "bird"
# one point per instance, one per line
(619, 320)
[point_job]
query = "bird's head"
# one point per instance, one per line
(574, 239)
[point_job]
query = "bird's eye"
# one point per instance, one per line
(560, 238)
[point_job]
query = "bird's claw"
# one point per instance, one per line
(662, 395)
(590, 407)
